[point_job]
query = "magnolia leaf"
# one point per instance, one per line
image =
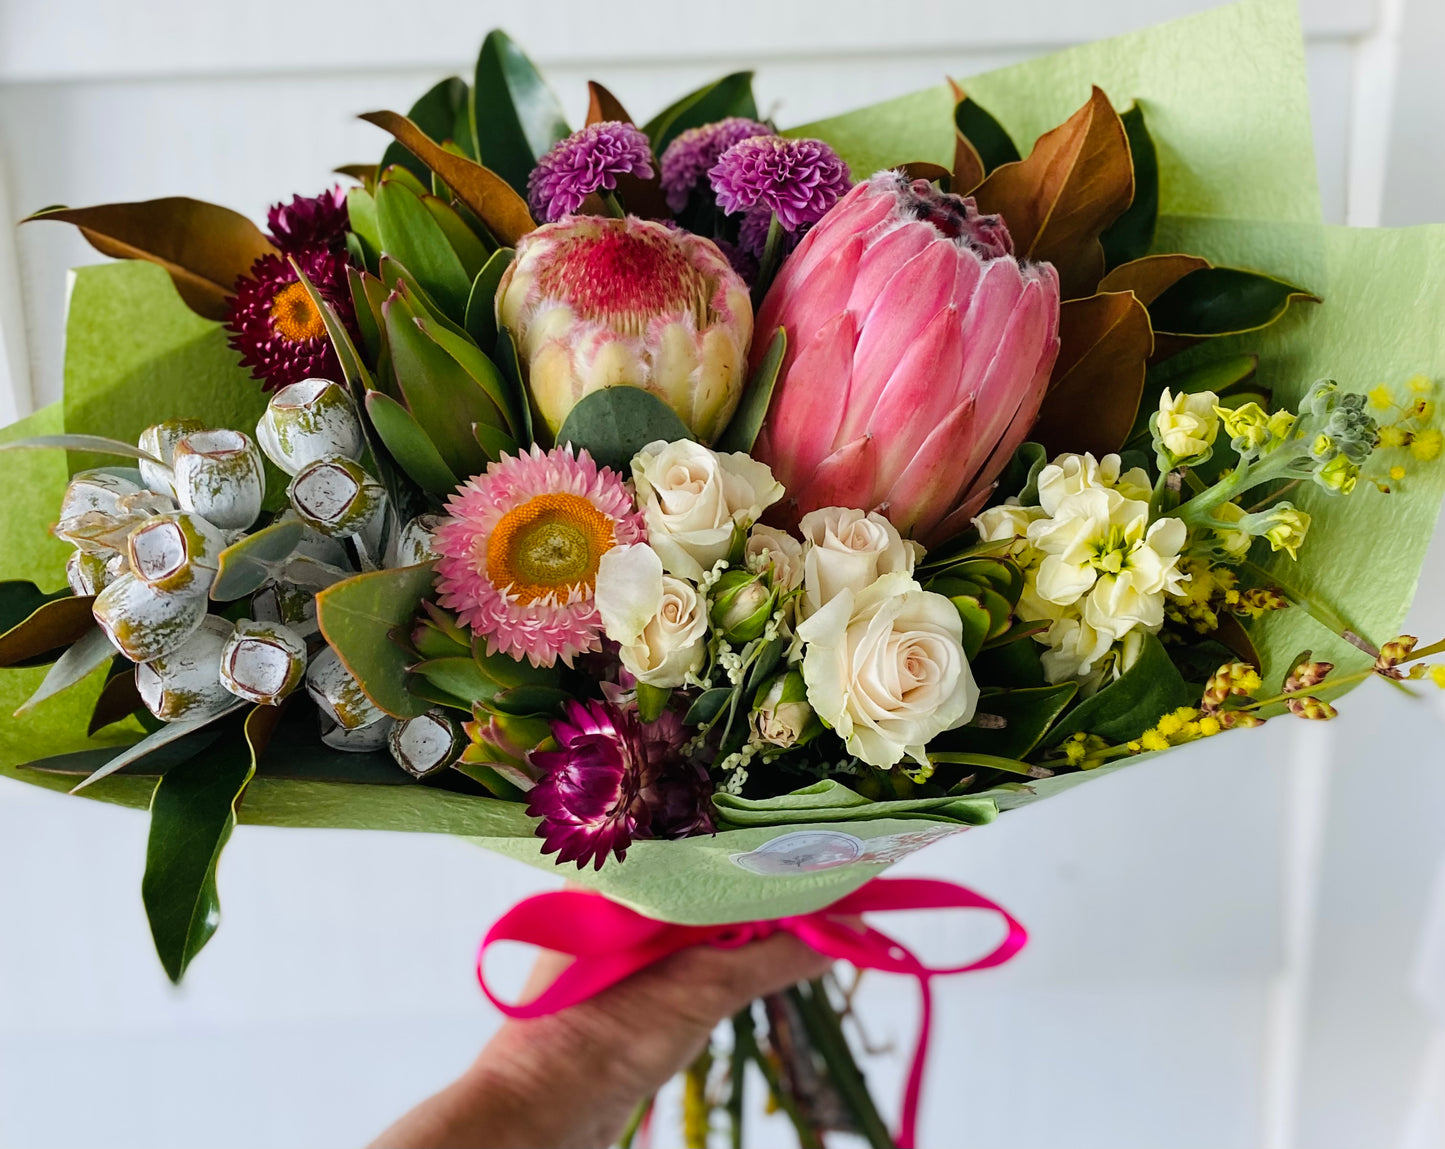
(923, 170)
(81, 659)
(409, 445)
(246, 564)
(515, 117)
(730, 96)
(1152, 275)
(481, 317)
(980, 143)
(411, 235)
(204, 248)
(1074, 184)
(1098, 379)
(1026, 717)
(1132, 234)
(747, 421)
(1127, 707)
(119, 698)
(54, 624)
(614, 423)
(1214, 301)
(603, 107)
(193, 812)
(968, 170)
(1231, 633)
(20, 598)
(97, 444)
(484, 192)
(640, 197)
(83, 762)
(170, 732)
(357, 617)
(436, 115)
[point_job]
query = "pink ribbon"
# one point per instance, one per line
(611, 942)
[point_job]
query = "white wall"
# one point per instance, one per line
(1224, 951)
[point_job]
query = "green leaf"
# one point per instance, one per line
(51, 626)
(352, 365)
(20, 598)
(976, 623)
(436, 113)
(1215, 301)
(525, 701)
(85, 656)
(469, 249)
(515, 117)
(81, 763)
(361, 217)
(171, 732)
(366, 319)
(730, 96)
(97, 444)
(483, 372)
(493, 441)
(193, 813)
(1021, 477)
(246, 564)
(1132, 234)
(988, 761)
(398, 280)
(613, 424)
(651, 701)
(1027, 715)
(357, 617)
(1124, 709)
(481, 321)
(511, 369)
(409, 445)
(461, 678)
(708, 705)
(742, 430)
(507, 671)
(411, 235)
(986, 134)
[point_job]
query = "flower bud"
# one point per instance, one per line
(1230, 541)
(781, 715)
(742, 604)
(310, 420)
(362, 740)
(1185, 427)
(1248, 427)
(776, 554)
(88, 572)
(1339, 475)
(414, 544)
(1306, 676)
(336, 497)
(1312, 708)
(1284, 525)
(1321, 398)
(160, 440)
(186, 682)
(218, 476)
(94, 491)
(144, 622)
(426, 744)
(337, 694)
(289, 605)
(1232, 680)
(175, 552)
(263, 661)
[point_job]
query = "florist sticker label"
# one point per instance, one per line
(808, 851)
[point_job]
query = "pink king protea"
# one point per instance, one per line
(919, 351)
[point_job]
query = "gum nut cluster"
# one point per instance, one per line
(149, 542)
(596, 302)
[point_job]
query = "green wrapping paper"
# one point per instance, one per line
(1227, 104)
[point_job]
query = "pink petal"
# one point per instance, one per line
(882, 259)
(919, 393)
(989, 311)
(930, 484)
(854, 214)
(809, 403)
(818, 298)
(844, 479)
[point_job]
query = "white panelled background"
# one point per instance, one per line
(1238, 950)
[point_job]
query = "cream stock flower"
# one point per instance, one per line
(660, 622)
(1186, 425)
(694, 500)
(1069, 474)
(885, 669)
(848, 549)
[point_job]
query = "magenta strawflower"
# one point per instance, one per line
(796, 180)
(275, 326)
(614, 779)
(687, 160)
(309, 222)
(519, 553)
(586, 161)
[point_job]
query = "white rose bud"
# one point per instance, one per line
(885, 669)
(362, 740)
(695, 501)
(781, 715)
(774, 553)
(659, 621)
(310, 420)
(424, 745)
(176, 552)
(144, 622)
(218, 475)
(160, 440)
(1186, 426)
(186, 683)
(848, 549)
(263, 662)
(337, 694)
(337, 497)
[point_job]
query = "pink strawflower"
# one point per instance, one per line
(614, 779)
(519, 553)
(796, 180)
(309, 222)
(686, 161)
(275, 326)
(586, 161)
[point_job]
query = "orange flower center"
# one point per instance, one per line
(550, 545)
(294, 317)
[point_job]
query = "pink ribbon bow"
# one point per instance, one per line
(610, 942)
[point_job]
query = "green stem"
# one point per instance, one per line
(611, 203)
(1196, 484)
(826, 1032)
(808, 1137)
(1156, 498)
(1427, 651)
(772, 258)
(1317, 610)
(1278, 494)
(744, 1046)
(634, 1123)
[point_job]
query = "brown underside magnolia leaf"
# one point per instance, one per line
(54, 624)
(1104, 343)
(640, 197)
(923, 170)
(118, 699)
(489, 196)
(968, 169)
(603, 107)
(204, 247)
(1148, 278)
(1078, 179)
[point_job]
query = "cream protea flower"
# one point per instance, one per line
(595, 302)
(519, 553)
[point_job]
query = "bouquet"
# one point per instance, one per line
(720, 511)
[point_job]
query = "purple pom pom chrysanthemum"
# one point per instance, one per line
(310, 222)
(796, 180)
(586, 161)
(688, 158)
(614, 779)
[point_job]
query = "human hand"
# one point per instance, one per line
(571, 1080)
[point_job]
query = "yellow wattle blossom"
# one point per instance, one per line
(1427, 444)
(1187, 724)
(1420, 384)
(1382, 398)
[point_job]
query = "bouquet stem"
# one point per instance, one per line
(825, 1029)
